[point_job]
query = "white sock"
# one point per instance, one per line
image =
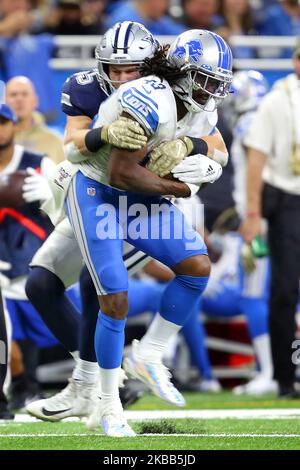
(109, 379)
(86, 371)
(262, 348)
(75, 355)
(154, 343)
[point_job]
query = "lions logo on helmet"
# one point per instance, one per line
(206, 60)
(193, 49)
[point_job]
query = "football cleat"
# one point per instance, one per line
(154, 375)
(5, 414)
(115, 425)
(73, 400)
(111, 418)
(258, 386)
(209, 386)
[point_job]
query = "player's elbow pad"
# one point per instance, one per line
(220, 157)
(73, 154)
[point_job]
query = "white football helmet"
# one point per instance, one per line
(125, 43)
(207, 60)
(248, 87)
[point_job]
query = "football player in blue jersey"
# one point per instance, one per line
(183, 88)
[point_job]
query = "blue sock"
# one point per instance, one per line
(181, 297)
(257, 312)
(194, 334)
(47, 294)
(109, 341)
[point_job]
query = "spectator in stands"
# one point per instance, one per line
(24, 54)
(282, 19)
(23, 229)
(15, 17)
(93, 11)
(69, 18)
(152, 13)
(273, 192)
(31, 132)
(112, 5)
(236, 19)
(200, 14)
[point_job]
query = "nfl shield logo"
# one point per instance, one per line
(91, 191)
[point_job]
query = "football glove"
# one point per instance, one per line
(294, 160)
(168, 154)
(125, 134)
(35, 187)
(197, 169)
(248, 258)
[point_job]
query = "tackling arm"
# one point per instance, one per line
(252, 224)
(122, 133)
(76, 129)
(125, 172)
(217, 149)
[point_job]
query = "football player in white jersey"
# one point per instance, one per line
(194, 77)
(59, 257)
(57, 265)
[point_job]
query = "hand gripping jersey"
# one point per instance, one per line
(151, 102)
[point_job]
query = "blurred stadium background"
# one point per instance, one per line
(47, 41)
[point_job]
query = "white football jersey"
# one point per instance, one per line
(151, 102)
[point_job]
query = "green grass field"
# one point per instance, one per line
(210, 422)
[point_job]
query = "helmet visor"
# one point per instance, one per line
(211, 86)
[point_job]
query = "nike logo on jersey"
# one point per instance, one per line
(53, 413)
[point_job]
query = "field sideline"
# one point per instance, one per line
(220, 421)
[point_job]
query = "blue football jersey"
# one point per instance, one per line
(82, 94)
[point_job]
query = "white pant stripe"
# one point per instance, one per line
(78, 228)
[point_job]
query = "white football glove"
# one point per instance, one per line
(35, 187)
(197, 169)
(125, 134)
(167, 155)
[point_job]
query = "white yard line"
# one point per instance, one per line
(275, 413)
(274, 435)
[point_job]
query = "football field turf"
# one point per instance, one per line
(220, 421)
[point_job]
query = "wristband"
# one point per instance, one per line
(253, 215)
(93, 141)
(199, 146)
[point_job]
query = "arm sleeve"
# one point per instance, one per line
(141, 107)
(260, 135)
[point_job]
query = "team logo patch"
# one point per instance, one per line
(193, 48)
(91, 191)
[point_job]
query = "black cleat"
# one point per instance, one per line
(288, 392)
(5, 414)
